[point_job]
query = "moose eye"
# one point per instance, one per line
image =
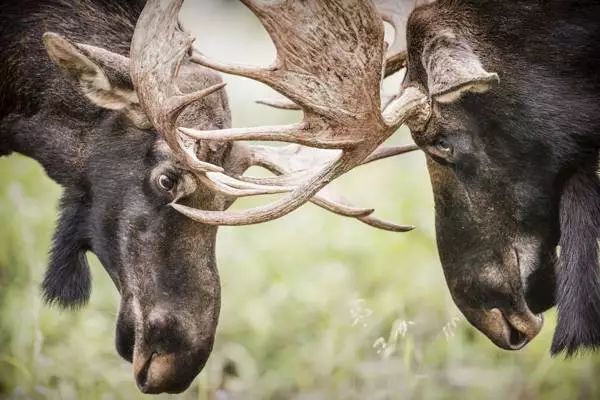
(443, 146)
(442, 151)
(166, 183)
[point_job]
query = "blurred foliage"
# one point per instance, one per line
(314, 306)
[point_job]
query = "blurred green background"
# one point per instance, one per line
(314, 306)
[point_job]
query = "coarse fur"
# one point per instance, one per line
(578, 289)
(512, 165)
(68, 281)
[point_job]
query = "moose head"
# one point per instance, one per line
(115, 205)
(312, 70)
(513, 172)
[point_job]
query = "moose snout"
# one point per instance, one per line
(507, 321)
(495, 285)
(507, 327)
(167, 373)
(167, 350)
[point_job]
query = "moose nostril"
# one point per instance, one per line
(160, 324)
(142, 375)
(161, 320)
(517, 329)
(157, 320)
(516, 338)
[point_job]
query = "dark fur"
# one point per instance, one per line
(43, 115)
(68, 280)
(578, 293)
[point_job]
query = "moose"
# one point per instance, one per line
(96, 90)
(117, 174)
(512, 151)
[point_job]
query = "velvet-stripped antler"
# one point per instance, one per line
(157, 49)
(329, 63)
(292, 158)
(396, 13)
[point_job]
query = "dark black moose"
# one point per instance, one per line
(512, 150)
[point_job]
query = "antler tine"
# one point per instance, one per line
(293, 133)
(389, 151)
(232, 187)
(292, 162)
(282, 104)
(157, 49)
(309, 38)
(396, 13)
(271, 211)
(293, 157)
(337, 204)
(384, 225)
(329, 64)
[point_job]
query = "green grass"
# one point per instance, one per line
(314, 307)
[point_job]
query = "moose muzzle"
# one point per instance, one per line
(167, 348)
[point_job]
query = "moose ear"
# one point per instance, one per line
(68, 281)
(102, 75)
(453, 69)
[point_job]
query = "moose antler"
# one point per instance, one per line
(329, 63)
(157, 50)
(396, 13)
(294, 158)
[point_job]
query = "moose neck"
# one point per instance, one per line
(59, 140)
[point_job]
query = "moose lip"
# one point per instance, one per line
(517, 330)
(164, 372)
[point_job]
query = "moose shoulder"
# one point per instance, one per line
(512, 148)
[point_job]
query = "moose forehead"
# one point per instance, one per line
(211, 112)
(161, 150)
